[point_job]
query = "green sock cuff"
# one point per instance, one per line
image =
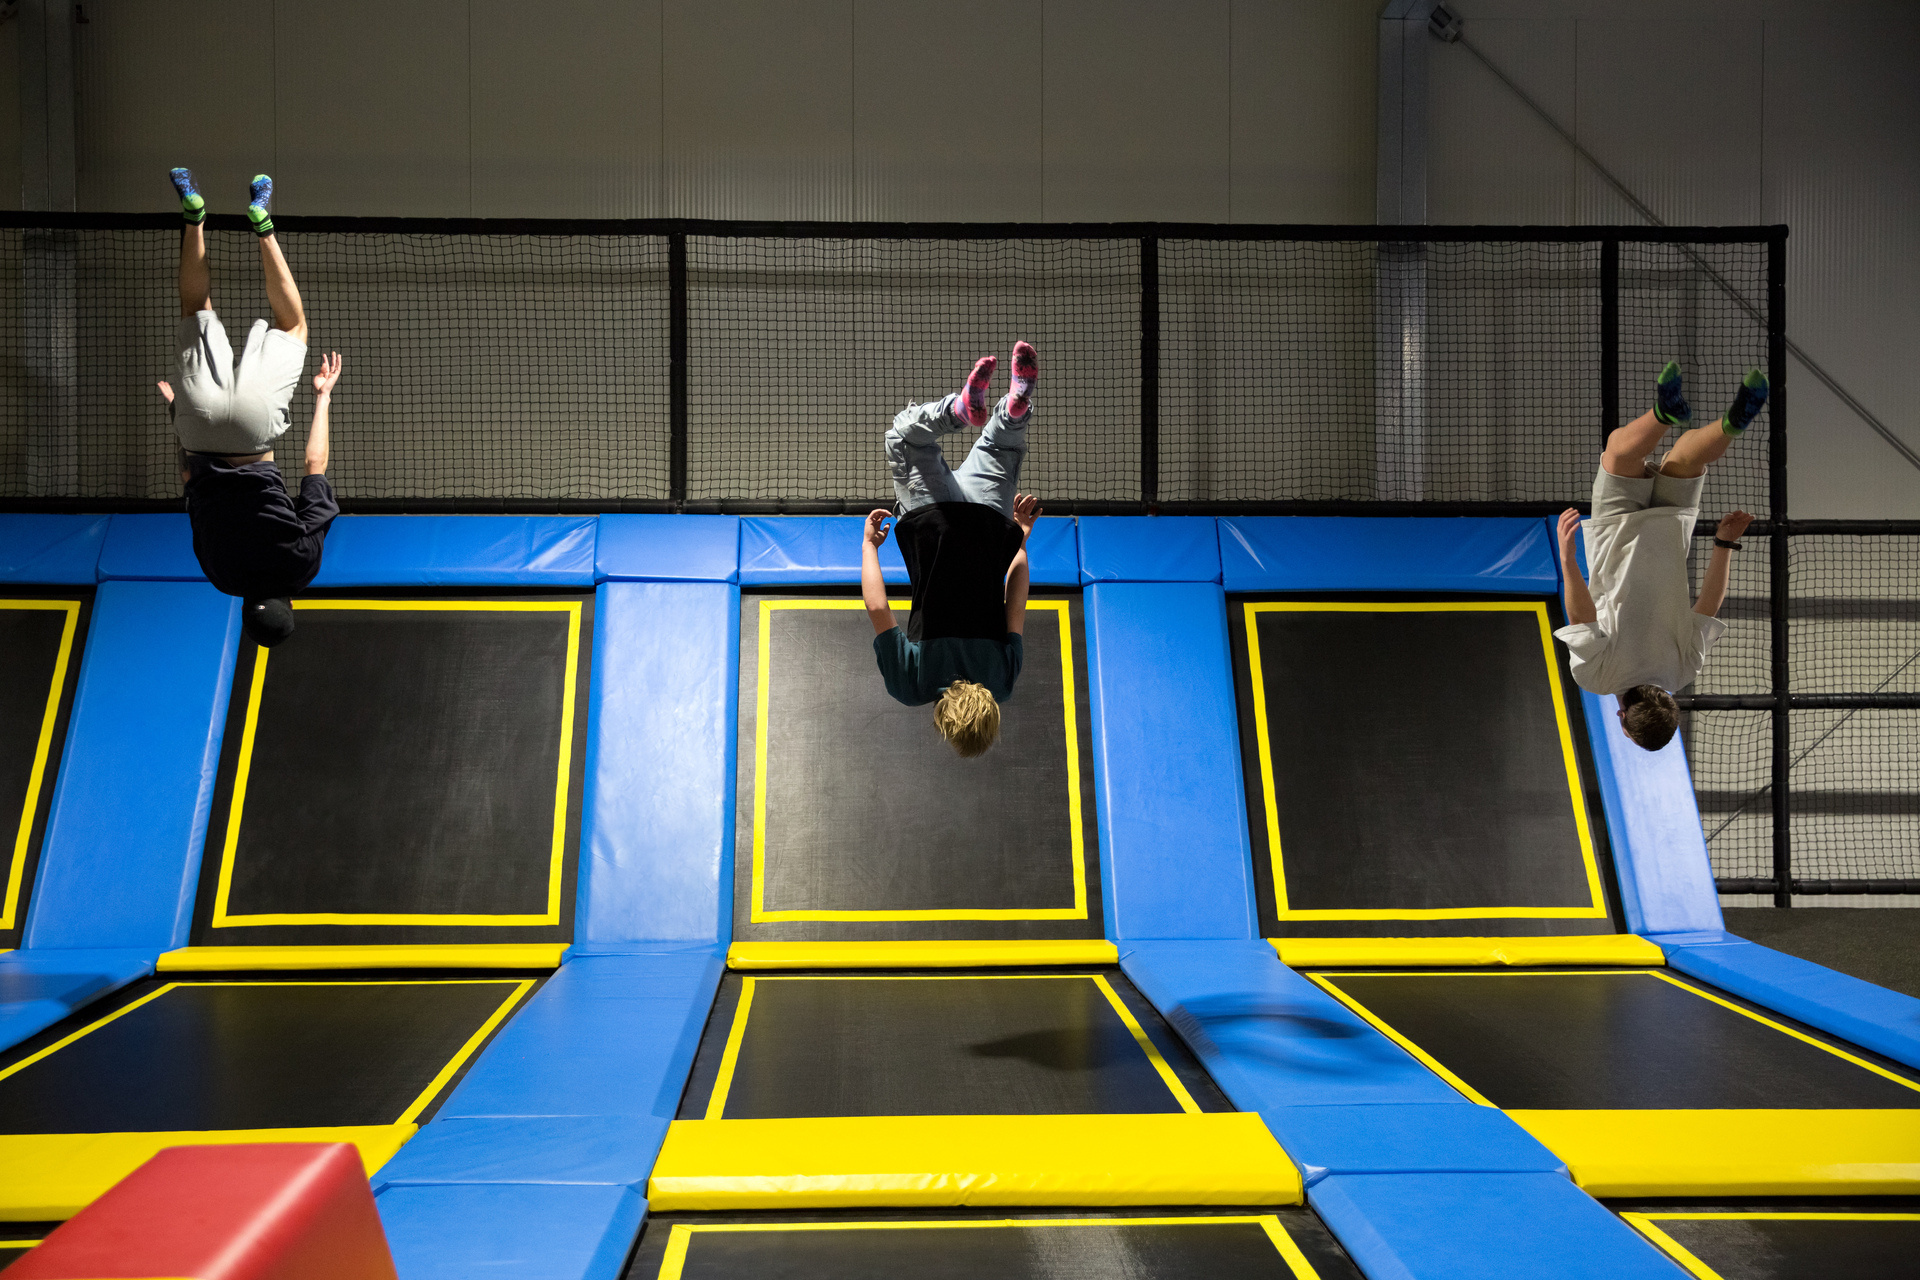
(193, 209)
(262, 220)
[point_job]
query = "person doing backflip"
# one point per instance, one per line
(251, 540)
(1636, 633)
(963, 534)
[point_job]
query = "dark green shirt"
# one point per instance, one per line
(916, 671)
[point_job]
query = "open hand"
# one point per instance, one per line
(877, 525)
(329, 374)
(1732, 525)
(1026, 509)
(1569, 528)
(165, 390)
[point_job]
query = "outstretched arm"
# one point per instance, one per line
(873, 587)
(319, 452)
(1578, 599)
(1713, 588)
(1026, 509)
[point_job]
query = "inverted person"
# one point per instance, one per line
(252, 541)
(963, 533)
(1638, 632)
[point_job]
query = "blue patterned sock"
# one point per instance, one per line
(1746, 403)
(192, 207)
(260, 204)
(1670, 405)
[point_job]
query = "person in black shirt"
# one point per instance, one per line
(963, 536)
(252, 541)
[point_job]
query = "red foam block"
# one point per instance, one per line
(252, 1211)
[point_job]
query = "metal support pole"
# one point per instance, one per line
(677, 367)
(1777, 561)
(1149, 370)
(1609, 338)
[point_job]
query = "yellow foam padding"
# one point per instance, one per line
(849, 1161)
(920, 955)
(1600, 948)
(512, 955)
(48, 1176)
(1737, 1153)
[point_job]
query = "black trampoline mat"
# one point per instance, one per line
(1166, 1245)
(405, 765)
(253, 1055)
(865, 815)
(1800, 1247)
(1614, 1040)
(35, 645)
(1421, 759)
(934, 1045)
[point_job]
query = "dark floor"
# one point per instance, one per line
(1880, 944)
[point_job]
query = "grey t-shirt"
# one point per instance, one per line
(1644, 630)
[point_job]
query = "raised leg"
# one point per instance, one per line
(1627, 448)
(282, 295)
(991, 472)
(1694, 451)
(196, 278)
(920, 472)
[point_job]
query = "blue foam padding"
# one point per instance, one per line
(118, 865)
(1149, 549)
(1870, 1016)
(1270, 1038)
(825, 551)
(458, 551)
(1483, 1226)
(649, 548)
(1356, 553)
(38, 988)
(51, 549)
(151, 548)
(512, 1231)
(605, 1036)
(615, 1150)
(1413, 1138)
(1653, 826)
(1173, 829)
(657, 818)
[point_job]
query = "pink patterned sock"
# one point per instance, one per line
(971, 406)
(1026, 372)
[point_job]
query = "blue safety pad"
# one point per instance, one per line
(608, 1035)
(129, 814)
(1653, 825)
(1149, 549)
(825, 551)
(150, 548)
(1870, 1016)
(1173, 828)
(1270, 1038)
(513, 1232)
(1350, 553)
(668, 549)
(615, 1150)
(458, 551)
(38, 988)
(1410, 1138)
(662, 731)
(51, 549)
(1487, 1226)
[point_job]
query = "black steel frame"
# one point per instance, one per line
(1780, 528)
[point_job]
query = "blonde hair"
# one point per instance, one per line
(967, 717)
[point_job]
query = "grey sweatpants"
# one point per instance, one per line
(921, 477)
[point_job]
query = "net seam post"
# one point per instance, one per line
(677, 369)
(1778, 585)
(1149, 371)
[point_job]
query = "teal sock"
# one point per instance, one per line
(1669, 403)
(192, 207)
(260, 204)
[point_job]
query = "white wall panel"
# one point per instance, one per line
(946, 102)
(759, 108)
(566, 109)
(1674, 110)
(1302, 110)
(161, 84)
(1492, 159)
(1135, 121)
(373, 108)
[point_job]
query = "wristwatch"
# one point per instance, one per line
(1722, 542)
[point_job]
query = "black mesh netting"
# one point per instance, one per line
(1855, 783)
(1731, 751)
(800, 352)
(525, 366)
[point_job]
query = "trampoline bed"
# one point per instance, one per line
(1761, 1244)
(41, 636)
